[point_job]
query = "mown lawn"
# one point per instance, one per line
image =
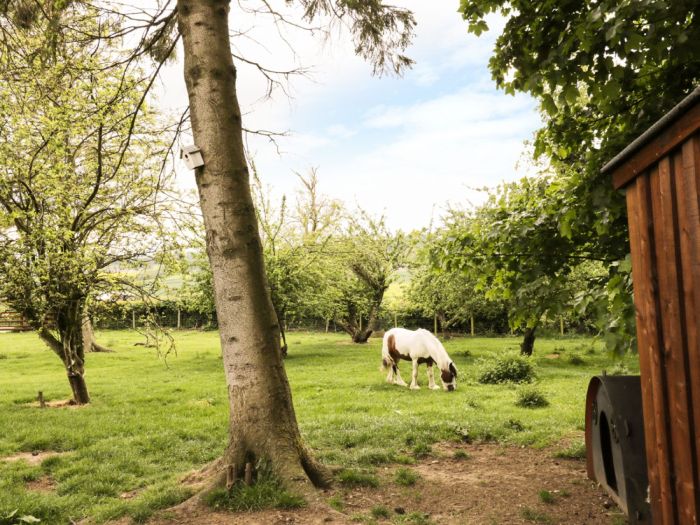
(150, 421)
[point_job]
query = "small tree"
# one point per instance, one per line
(514, 246)
(367, 258)
(81, 191)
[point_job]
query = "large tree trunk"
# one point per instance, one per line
(262, 422)
(528, 344)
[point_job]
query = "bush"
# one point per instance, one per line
(508, 369)
(531, 398)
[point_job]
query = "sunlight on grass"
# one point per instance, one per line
(149, 424)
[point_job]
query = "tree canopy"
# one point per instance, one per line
(82, 191)
(602, 71)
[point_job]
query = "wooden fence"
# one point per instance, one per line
(13, 322)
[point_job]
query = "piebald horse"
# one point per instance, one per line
(420, 347)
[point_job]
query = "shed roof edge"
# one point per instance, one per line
(656, 128)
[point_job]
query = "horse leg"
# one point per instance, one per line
(431, 378)
(414, 379)
(390, 375)
(397, 377)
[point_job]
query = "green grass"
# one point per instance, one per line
(149, 423)
(546, 497)
(380, 511)
(357, 478)
(406, 477)
(263, 494)
(535, 516)
(530, 397)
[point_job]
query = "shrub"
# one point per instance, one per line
(406, 477)
(511, 369)
(531, 398)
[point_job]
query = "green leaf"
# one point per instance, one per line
(571, 94)
(549, 105)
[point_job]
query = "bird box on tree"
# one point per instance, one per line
(192, 156)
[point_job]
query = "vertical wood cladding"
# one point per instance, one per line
(663, 203)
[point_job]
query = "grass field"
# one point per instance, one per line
(151, 422)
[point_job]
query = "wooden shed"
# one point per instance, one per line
(660, 174)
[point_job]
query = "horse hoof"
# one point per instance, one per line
(434, 387)
(415, 387)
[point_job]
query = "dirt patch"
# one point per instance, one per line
(59, 403)
(43, 484)
(492, 484)
(552, 356)
(33, 458)
(131, 494)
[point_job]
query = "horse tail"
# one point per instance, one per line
(386, 358)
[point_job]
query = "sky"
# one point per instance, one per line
(404, 147)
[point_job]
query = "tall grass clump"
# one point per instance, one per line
(531, 398)
(508, 369)
(267, 492)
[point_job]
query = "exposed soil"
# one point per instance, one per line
(33, 458)
(43, 484)
(494, 485)
(59, 403)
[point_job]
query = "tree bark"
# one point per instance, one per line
(262, 422)
(70, 350)
(89, 342)
(528, 344)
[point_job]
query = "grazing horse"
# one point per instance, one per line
(419, 346)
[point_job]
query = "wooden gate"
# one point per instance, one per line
(660, 173)
(13, 322)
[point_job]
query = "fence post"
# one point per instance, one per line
(133, 319)
(396, 321)
(435, 327)
(471, 321)
(561, 325)
(328, 321)
(178, 318)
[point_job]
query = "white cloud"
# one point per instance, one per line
(405, 146)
